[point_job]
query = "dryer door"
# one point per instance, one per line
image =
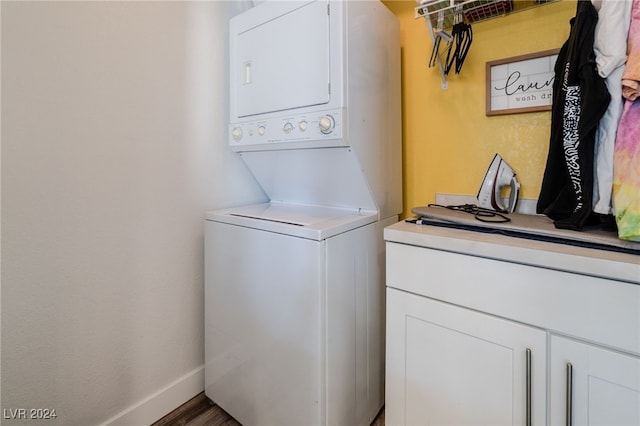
(279, 55)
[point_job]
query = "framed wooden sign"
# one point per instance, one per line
(521, 83)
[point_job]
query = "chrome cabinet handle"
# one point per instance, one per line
(528, 388)
(569, 415)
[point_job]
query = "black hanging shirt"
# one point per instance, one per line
(580, 99)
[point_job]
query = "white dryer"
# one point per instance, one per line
(294, 288)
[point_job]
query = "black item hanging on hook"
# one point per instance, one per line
(462, 36)
(462, 47)
(457, 42)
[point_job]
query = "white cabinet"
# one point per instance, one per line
(452, 366)
(465, 309)
(603, 386)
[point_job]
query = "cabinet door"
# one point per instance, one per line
(447, 365)
(605, 385)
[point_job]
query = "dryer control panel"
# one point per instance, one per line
(318, 129)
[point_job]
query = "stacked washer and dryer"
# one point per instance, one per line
(294, 288)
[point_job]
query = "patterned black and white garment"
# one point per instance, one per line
(580, 99)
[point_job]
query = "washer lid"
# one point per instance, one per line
(293, 214)
(313, 222)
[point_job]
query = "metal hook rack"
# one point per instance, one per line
(442, 14)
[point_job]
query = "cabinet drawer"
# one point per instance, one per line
(581, 306)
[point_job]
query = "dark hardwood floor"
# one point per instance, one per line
(198, 411)
(201, 411)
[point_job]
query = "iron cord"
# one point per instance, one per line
(480, 213)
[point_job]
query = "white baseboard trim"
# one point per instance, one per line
(161, 402)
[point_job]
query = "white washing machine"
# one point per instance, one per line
(294, 288)
(295, 331)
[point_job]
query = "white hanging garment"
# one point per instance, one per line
(610, 47)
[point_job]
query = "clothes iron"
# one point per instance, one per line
(499, 175)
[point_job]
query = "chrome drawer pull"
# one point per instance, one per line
(528, 388)
(569, 418)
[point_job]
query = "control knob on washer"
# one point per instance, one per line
(288, 127)
(236, 133)
(326, 124)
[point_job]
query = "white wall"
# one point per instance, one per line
(113, 146)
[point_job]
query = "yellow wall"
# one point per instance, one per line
(448, 141)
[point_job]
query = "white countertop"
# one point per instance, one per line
(586, 261)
